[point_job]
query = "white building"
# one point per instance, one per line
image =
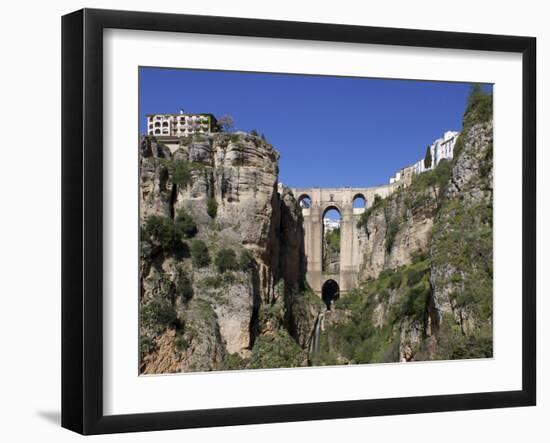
(179, 125)
(403, 174)
(442, 148)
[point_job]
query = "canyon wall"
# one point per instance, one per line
(200, 305)
(426, 283)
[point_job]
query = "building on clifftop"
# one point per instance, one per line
(442, 148)
(180, 125)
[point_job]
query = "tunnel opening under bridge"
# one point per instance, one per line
(330, 292)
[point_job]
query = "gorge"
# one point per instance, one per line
(230, 262)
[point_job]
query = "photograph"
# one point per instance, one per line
(293, 220)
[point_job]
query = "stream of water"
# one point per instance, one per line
(316, 338)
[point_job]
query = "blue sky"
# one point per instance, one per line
(330, 131)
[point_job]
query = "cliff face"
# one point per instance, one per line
(397, 227)
(462, 248)
(222, 263)
(217, 237)
(427, 265)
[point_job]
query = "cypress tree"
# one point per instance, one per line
(428, 158)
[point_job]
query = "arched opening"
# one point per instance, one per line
(330, 292)
(331, 240)
(305, 201)
(359, 201)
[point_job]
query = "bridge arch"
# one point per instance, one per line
(330, 292)
(331, 206)
(331, 239)
(342, 199)
(305, 201)
(359, 201)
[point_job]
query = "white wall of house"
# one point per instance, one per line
(442, 148)
(176, 125)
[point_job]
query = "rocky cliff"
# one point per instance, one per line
(221, 255)
(426, 289)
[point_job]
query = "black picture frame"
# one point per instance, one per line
(82, 215)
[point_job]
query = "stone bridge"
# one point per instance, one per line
(315, 203)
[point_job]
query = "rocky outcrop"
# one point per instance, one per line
(227, 184)
(398, 227)
(428, 261)
(462, 248)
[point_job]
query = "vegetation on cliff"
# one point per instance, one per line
(222, 265)
(437, 302)
(221, 258)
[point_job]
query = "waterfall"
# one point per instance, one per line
(315, 338)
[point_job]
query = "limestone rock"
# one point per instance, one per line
(238, 175)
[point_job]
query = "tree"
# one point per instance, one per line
(246, 260)
(479, 107)
(212, 207)
(157, 316)
(428, 158)
(199, 253)
(160, 231)
(226, 260)
(226, 123)
(184, 287)
(185, 224)
(180, 172)
(476, 93)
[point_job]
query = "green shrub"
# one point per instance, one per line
(145, 248)
(278, 351)
(146, 345)
(199, 253)
(218, 281)
(185, 224)
(333, 240)
(212, 281)
(479, 109)
(246, 260)
(161, 230)
(226, 260)
(184, 287)
(386, 273)
(439, 176)
(453, 344)
(233, 362)
(415, 301)
(212, 207)
(419, 256)
(384, 295)
(377, 203)
(480, 106)
(180, 172)
(414, 276)
(487, 162)
(181, 342)
(391, 233)
(395, 280)
(157, 316)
